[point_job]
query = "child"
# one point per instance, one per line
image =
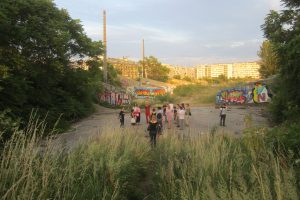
(133, 120)
(122, 117)
(153, 128)
(223, 110)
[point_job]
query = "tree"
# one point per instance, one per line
(282, 29)
(177, 76)
(37, 42)
(269, 60)
(154, 69)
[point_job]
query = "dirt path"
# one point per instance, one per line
(203, 119)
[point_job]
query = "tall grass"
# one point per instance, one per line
(120, 164)
(221, 167)
(106, 167)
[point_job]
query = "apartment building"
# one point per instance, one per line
(126, 67)
(231, 70)
(245, 69)
(190, 72)
(200, 71)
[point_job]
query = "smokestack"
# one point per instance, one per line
(105, 48)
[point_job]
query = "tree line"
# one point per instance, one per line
(38, 44)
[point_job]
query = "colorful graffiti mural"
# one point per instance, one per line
(148, 92)
(115, 98)
(252, 93)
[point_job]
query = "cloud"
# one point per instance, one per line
(237, 44)
(274, 4)
(134, 33)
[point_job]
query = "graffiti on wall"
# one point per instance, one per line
(115, 98)
(140, 92)
(252, 93)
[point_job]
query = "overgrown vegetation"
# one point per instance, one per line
(37, 43)
(108, 167)
(154, 69)
(204, 93)
(222, 167)
(282, 29)
(119, 164)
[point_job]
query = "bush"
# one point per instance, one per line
(177, 77)
(285, 139)
(167, 98)
(8, 125)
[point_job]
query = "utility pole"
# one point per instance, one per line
(104, 48)
(143, 58)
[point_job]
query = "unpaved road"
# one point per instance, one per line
(203, 119)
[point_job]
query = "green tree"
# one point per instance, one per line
(283, 30)
(154, 69)
(177, 77)
(37, 42)
(268, 60)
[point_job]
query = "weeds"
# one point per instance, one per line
(122, 165)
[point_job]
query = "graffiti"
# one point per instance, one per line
(252, 93)
(261, 93)
(115, 98)
(148, 92)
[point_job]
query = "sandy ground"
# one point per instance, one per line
(203, 119)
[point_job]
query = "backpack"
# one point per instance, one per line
(159, 116)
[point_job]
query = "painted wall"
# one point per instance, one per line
(142, 92)
(253, 93)
(115, 98)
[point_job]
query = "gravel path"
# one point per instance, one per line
(203, 119)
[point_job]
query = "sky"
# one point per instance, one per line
(177, 32)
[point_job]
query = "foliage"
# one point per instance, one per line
(221, 167)
(177, 77)
(7, 125)
(269, 60)
(167, 98)
(37, 42)
(283, 30)
(120, 164)
(154, 69)
(286, 138)
(186, 78)
(110, 166)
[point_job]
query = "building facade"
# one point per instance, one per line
(230, 70)
(126, 67)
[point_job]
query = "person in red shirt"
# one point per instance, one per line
(147, 112)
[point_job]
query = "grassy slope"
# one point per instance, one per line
(203, 92)
(119, 164)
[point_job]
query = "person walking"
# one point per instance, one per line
(223, 111)
(122, 117)
(181, 114)
(147, 112)
(153, 112)
(169, 114)
(187, 114)
(175, 115)
(159, 118)
(133, 118)
(138, 114)
(153, 128)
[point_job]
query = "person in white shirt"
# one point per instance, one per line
(223, 110)
(181, 114)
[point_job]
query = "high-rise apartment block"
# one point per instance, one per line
(231, 70)
(126, 67)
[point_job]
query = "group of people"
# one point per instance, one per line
(168, 114)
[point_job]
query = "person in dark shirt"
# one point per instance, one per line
(122, 117)
(153, 128)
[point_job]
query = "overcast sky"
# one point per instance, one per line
(179, 32)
